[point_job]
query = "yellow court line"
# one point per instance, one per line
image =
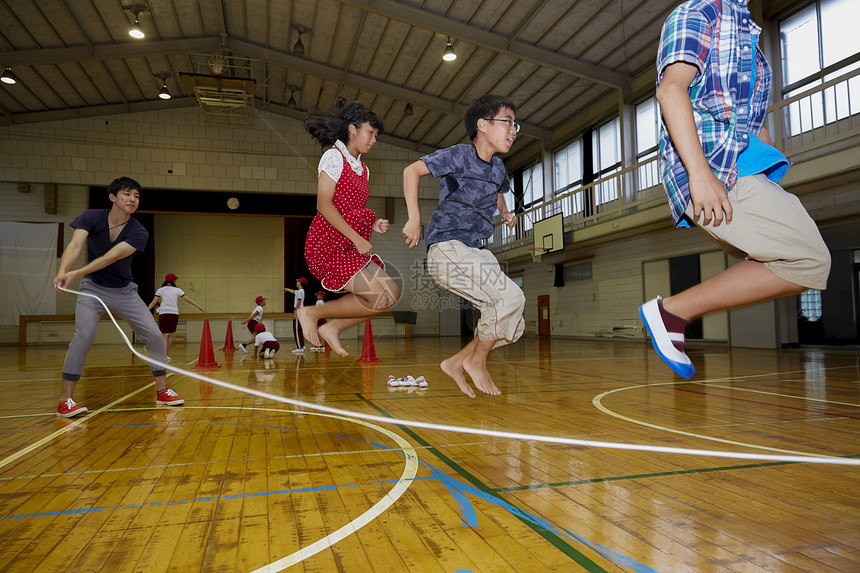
(73, 424)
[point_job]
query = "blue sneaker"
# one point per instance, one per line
(663, 340)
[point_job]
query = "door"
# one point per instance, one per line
(543, 315)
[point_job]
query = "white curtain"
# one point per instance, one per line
(28, 263)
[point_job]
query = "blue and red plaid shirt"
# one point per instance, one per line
(716, 36)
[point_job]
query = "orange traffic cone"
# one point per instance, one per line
(206, 359)
(368, 350)
(228, 344)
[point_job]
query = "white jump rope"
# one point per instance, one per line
(807, 458)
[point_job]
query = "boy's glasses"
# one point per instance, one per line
(511, 123)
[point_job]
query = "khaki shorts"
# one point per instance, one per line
(475, 275)
(771, 226)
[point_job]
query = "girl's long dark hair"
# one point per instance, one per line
(326, 128)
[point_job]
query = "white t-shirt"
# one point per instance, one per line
(332, 162)
(258, 314)
(320, 302)
(300, 298)
(264, 336)
(169, 299)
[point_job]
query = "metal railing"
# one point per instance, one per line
(818, 116)
(605, 198)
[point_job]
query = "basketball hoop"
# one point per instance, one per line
(537, 253)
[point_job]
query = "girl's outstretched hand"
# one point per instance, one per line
(412, 232)
(381, 226)
(363, 247)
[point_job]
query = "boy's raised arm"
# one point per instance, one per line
(507, 217)
(411, 175)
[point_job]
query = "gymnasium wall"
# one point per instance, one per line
(224, 260)
(277, 156)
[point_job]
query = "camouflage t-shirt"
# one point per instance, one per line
(468, 192)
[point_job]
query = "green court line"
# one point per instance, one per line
(551, 537)
(656, 474)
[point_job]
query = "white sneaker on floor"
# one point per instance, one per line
(298, 350)
(422, 383)
(168, 359)
(392, 382)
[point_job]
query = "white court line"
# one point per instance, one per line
(598, 403)
(806, 458)
(778, 394)
(410, 470)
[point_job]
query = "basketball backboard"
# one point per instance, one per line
(548, 234)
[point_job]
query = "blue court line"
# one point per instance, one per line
(204, 499)
(456, 488)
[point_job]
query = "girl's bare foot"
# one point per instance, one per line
(454, 369)
(309, 325)
(332, 336)
(481, 377)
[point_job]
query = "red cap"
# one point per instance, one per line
(259, 327)
(170, 277)
(303, 280)
(259, 299)
(322, 292)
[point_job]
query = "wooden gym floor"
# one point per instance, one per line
(234, 482)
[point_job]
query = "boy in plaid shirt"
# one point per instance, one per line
(720, 170)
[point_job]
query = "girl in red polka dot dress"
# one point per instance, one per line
(338, 249)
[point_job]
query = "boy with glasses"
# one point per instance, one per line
(720, 172)
(473, 183)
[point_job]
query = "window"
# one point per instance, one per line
(647, 129)
(580, 271)
(568, 167)
(820, 36)
(568, 176)
(532, 185)
(606, 153)
(810, 304)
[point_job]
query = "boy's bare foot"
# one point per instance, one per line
(481, 377)
(454, 369)
(331, 335)
(308, 324)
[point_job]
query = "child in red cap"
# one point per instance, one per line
(265, 344)
(251, 321)
(167, 299)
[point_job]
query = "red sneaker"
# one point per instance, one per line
(68, 409)
(168, 397)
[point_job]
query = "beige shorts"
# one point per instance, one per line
(771, 226)
(475, 275)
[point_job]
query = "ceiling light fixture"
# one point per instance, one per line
(8, 77)
(136, 31)
(299, 48)
(449, 55)
(164, 93)
(407, 111)
(291, 103)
